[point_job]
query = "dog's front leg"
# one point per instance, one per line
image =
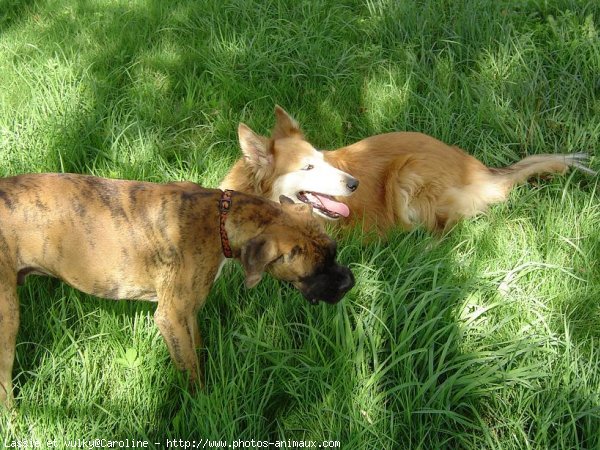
(176, 319)
(9, 326)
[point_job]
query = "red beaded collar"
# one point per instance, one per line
(224, 207)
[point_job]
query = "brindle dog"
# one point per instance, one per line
(158, 242)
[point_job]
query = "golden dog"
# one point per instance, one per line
(401, 179)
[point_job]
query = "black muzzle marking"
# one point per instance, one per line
(328, 285)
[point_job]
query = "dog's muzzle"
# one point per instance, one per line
(328, 285)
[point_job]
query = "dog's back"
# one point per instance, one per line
(405, 178)
(73, 220)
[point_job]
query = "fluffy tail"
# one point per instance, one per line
(541, 164)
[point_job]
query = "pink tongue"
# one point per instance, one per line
(332, 205)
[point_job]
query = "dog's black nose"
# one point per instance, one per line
(352, 184)
(347, 282)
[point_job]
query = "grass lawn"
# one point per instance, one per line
(487, 338)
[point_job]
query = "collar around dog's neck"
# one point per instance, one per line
(224, 207)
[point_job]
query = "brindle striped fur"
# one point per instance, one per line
(159, 242)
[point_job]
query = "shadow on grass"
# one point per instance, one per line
(13, 12)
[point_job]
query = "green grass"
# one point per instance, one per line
(488, 338)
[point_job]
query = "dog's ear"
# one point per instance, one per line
(285, 125)
(255, 256)
(256, 149)
(291, 206)
(285, 200)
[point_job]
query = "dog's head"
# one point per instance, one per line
(286, 164)
(295, 248)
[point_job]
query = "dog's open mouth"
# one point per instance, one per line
(324, 204)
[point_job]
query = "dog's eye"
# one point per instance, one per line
(308, 167)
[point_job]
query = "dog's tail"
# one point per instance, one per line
(533, 165)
